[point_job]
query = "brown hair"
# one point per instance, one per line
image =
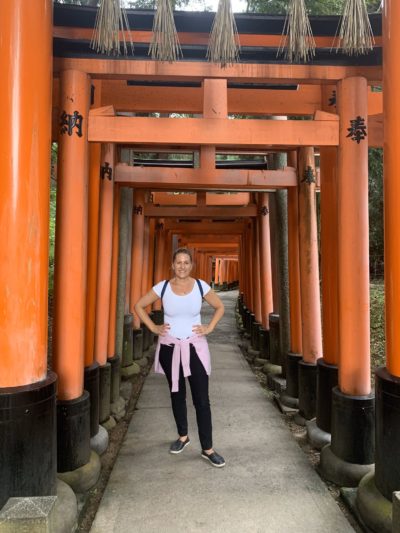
(185, 251)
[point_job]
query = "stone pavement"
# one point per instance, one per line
(267, 485)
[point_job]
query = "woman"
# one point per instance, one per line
(182, 349)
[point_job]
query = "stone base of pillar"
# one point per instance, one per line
(137, 343)
(255, 336)
(396, 512)
(115, 382)
(350, 455)
(269, 368)
(28, 440)
(274, 340)
(85, 477)
(264, 343)
(129, 371)
(289, 401)
(342, 473)
(327, 380)
(73, 433)
(42, 513)
(127, 348)
(109, 424)
(99, 442)
(307, 390)
(92, 384)
(105, 392)
(317, 437)
(292, 375)
(66, 512)
(374, 509)
(118, 410)
(276, 382)
(252, 354)
(387, 434)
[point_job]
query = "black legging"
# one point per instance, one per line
(198, 381)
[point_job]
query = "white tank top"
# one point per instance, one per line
(182, 312)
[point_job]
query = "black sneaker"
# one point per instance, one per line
(214, 458)
(178, 446)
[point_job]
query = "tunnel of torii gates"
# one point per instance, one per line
(119, 219)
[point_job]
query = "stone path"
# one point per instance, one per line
(267, 486)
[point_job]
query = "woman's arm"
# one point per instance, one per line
(141, 312)
(212, 299)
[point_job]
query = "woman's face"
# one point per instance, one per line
(182, 265)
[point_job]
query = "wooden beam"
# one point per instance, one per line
(151, 210)
(213, 132)
(206, 228)
(192, 38)
(167, 198)
(303, 101)
(211, 238)
(196, 178)
(198, 70)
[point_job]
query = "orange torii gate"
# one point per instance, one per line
(86, 246)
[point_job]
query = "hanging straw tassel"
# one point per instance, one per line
(224, 44)
(355, 29)
(110, 19)
(164, 45)
(297, 42)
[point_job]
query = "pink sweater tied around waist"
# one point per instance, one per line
(181, 353)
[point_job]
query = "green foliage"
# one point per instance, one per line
(52, 220)
(314, 7)
(377, 295)
(375, 186)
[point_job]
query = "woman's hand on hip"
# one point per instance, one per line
(201, 329)
(161, 329)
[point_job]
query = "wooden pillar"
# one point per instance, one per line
(137, 252)
(354, 355)
(310, 293)
(150, 277)
(24, 191)
(92, 248)
(104, 255)
(71, 236)
(146, 250)
(387, 379)
(93, 239)
(296, 342)
(353, 417)
(329, 249)
(391, 110)
(309, 272)
(111, 351)
(265, 260)
(27, 436)
(70, 276)
(256, 272)
(159, 256)
(328, 365)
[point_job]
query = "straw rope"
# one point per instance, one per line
(224, 47)
(355, 30)
(164, 45)
(297, 43)
(110, 18)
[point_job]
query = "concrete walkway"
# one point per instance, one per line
(268, 485)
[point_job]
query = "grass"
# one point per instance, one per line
(377, 325)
